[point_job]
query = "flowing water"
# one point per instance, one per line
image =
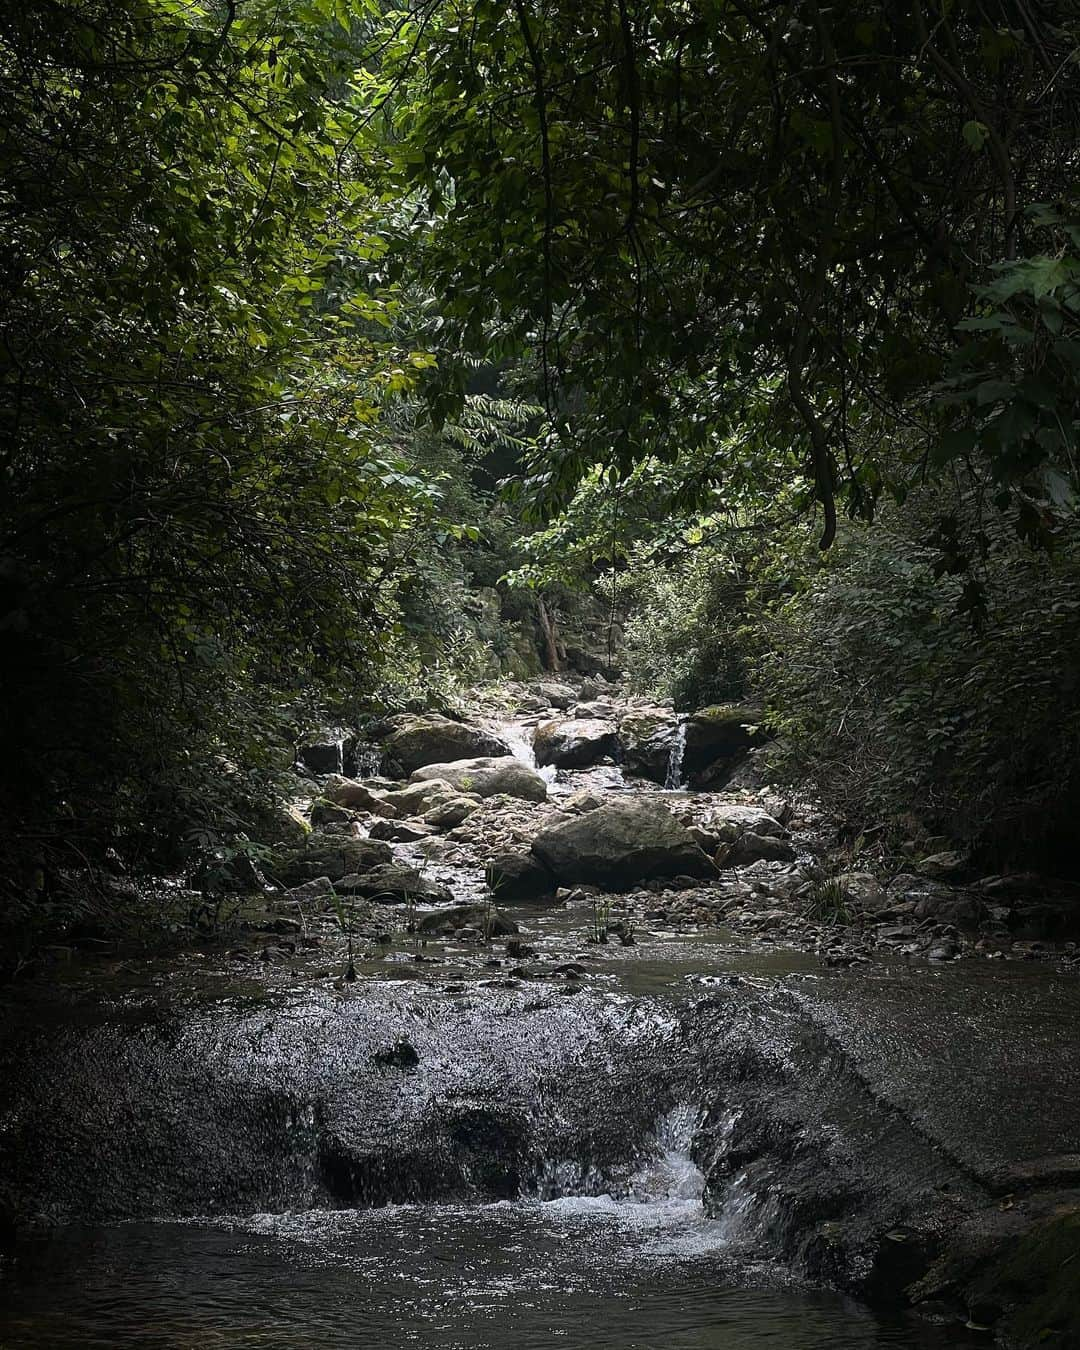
(659, 1145)
(637, 1271)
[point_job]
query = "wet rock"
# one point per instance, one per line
(333, 856)
(392, 884)
(357, 796)
(400, 831)
(646, 739)
(718, 738)
(1057, 1170)
(318, 889)
(620, 844)
(575, 744)
(729, 820)
(519, 876)
(482, 919)
(967, 911)
(486, 777)
(400, 1056)
(327, 813)
(862, 892)
(418, 741)
(942, 866)
(751, 848)
(445, 815)
(330, 752)
(415, 798)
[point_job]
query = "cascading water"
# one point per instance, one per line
(673, 778)
(519, 739)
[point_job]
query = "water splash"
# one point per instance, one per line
(673, 779)
(519, 739)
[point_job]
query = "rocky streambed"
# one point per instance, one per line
(509, 1053)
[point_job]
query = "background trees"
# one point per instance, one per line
(285, 288)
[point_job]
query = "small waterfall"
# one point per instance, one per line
(521, 747)
(673, 778)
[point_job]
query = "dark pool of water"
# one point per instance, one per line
(570, 1273)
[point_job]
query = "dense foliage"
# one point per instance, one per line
(286, 287)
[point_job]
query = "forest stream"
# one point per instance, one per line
(685, 1134)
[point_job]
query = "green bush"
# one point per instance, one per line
(890, 700)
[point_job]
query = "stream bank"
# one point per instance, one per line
(699, 1101)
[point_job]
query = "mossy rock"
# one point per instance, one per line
(333, 856)
(1035, 1282)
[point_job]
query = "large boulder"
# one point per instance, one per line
(333, 856)
(519, 876)
(718, 739)
(357, 796)
(554, 694)
(393, 883)
(331, 751)
(619, 846)
(729, 820)
(574, 744)
(647, 738)
(485, 920)
(416, 798)
(487, 777)
(430, 739)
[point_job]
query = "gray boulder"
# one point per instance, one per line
(519, 876)
(751, 848)
(401, 831)
(554, 694)
(620, 845)
(647, 738)
(574, 744)
(484, 919)
(486, 777)
(445, 815)
(863, 892)
(333, 856)
(357, 796)
(729, 820)
(392, 883)
(418, 797)
(430, 739)
(718, 739)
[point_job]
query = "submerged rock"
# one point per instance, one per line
(430, 739)
(487, 777)
(620, 845)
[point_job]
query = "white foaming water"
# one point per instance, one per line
(519, 739)
(673, 777)
(661, 1213)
